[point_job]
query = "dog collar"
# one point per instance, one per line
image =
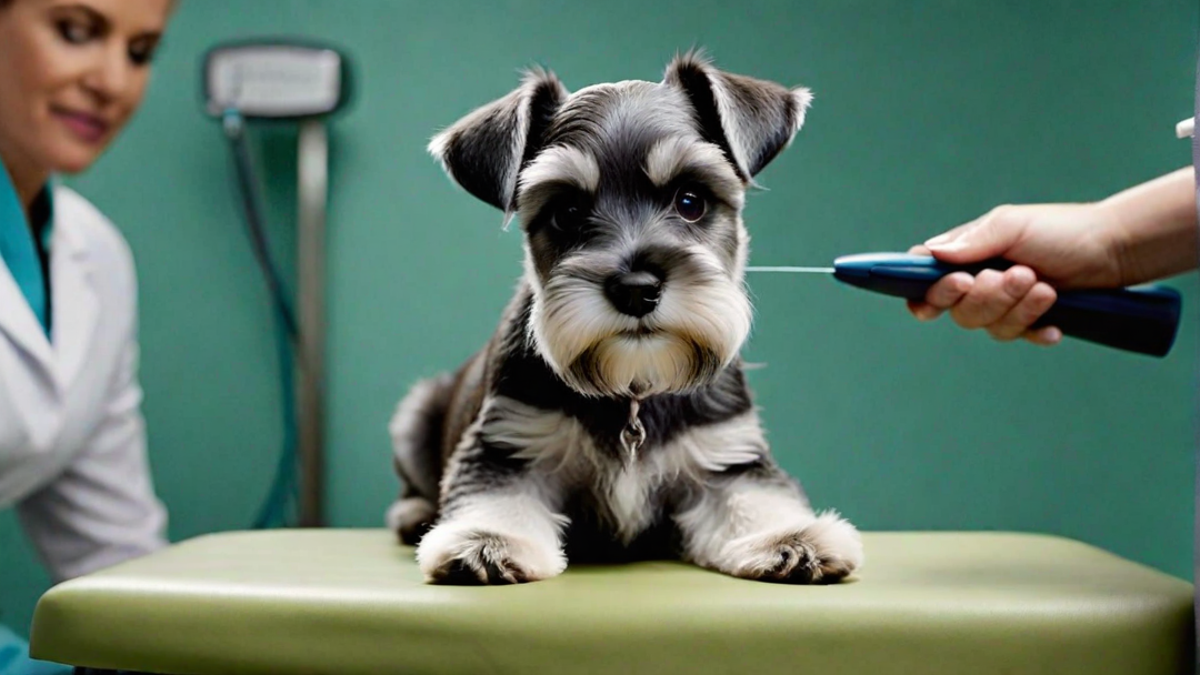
(634, 433)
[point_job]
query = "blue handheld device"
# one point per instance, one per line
(1142, 319)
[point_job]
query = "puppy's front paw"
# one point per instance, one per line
(824, 552)
(468, 556)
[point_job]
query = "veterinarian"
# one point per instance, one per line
(72, 443)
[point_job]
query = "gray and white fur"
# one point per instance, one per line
(630, 197)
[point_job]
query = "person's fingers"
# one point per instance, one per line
(923, 311)
(951, 234)
(943, 238)
(991, 235)
(1016, 322)
(991, 296)
(949, 290)
(1047, 336)
(941, 296)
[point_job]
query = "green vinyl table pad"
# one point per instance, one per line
(353, 601)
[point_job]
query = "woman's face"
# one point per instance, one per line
(72, 73)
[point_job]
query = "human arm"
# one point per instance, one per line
(1144, 233)
(101, 509)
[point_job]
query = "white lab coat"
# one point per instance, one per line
(72, 437)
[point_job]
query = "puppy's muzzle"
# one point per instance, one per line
(634, 293)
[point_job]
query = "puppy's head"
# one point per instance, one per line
(630, 196)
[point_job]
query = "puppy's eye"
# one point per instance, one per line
(690, 204)
(569, 215)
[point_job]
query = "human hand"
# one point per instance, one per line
(1053, 247)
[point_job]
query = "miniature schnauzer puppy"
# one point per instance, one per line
(608, 417)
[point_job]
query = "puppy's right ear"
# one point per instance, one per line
(484, 151)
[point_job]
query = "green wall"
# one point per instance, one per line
(926, 114)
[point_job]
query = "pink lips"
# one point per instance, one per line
(89, 128)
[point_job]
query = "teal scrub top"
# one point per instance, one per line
(25, 251)
(25, 245)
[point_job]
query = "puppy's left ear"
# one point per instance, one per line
(752, 120)
(484, 151)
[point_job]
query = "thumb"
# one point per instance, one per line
(986, 237)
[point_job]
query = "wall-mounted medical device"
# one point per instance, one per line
(301, 81)
(277, 79)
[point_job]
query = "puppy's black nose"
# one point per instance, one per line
(634, 293)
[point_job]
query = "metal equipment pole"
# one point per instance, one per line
(313, 168)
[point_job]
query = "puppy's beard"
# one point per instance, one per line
(697, 329)
(642, 365)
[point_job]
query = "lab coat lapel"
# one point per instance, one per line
(74, 305)
(17, 318)
(19, 321)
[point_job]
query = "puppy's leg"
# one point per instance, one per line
(416, 433)
(493, 532)
(410, 516)
(757, 524)
(499, 521)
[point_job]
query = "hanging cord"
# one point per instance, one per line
(281, 498)
(234, 127)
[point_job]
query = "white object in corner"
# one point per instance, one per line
(1185, 128)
